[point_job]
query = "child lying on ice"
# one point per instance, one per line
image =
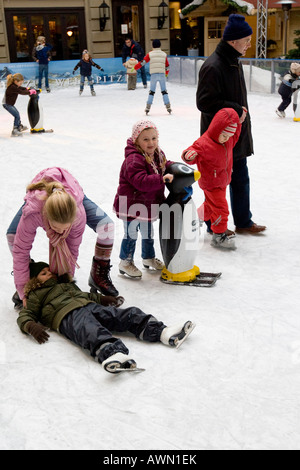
(87, 318)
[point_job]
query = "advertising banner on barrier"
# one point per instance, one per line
(61, 72)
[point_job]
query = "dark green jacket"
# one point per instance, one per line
(51, 302)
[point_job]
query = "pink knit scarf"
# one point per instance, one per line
(61, 260)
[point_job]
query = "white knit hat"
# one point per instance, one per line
(295, 67)
(231, 129)
(140, 126)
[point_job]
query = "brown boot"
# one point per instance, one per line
(100, 280)
(253, 230)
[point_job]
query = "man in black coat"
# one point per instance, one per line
(133, 49)
(222, 85)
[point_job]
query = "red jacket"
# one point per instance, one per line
(214, 160)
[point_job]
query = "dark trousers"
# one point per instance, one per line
(286, 93)
(90, 327)
(240, 194)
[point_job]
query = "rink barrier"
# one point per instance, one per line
(261, 75)
(60, 72)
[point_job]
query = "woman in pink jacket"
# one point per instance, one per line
(56, 202)
(213, 154)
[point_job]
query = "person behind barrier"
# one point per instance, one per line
(133, 49)
(42, 55)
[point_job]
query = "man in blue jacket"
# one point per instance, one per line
(133, 49)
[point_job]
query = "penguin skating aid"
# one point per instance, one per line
(179, 232)
(35, 115)
(296, 100)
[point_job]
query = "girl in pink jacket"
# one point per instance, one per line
(213, 154)
(56, 202)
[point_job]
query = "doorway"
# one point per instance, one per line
(128, 18)
(64, 29)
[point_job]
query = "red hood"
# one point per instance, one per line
(221, 120)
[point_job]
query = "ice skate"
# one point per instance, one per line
(153, 263)
(80, 92)
(22, 128)
(168, 106)
(100, 280)
(16, 132)
(281, 114)
(147, 109)
(93, 93)
(128, 267)
(175, 335)
(120, 362)
(223, 241)
(48, 90)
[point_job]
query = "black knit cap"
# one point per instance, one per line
(36, 268)
(236, 28)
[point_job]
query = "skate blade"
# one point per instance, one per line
(187, 334)
(208, 275)
(115, 368)
(209, 282)
(131, 277)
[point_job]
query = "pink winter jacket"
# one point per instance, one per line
(32, 218)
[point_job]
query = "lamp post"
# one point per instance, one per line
(162, 14)
(103, 15)
(286, 6)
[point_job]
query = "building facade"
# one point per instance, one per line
(73, 25)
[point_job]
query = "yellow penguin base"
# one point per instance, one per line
(186, 276)
(296, 119)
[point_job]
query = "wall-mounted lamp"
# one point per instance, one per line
(104, 15)
(162, 14)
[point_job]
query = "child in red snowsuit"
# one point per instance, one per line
(212, 153)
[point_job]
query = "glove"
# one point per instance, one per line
(37, 331)
(189, 156)
(189, 192)
(108, 300)
(32, 91)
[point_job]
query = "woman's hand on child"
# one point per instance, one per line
(168, 178)
(38, 331)
(108, 300)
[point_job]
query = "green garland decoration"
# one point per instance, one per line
(185, 11)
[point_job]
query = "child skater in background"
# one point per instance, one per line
(131, 73)
(86, 319)
(42, 55)
(13, 89)
(286, 88)
(141, 190)
(85, 65)
(212, 153)
(159, 70)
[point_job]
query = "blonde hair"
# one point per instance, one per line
(60, 206)
(17, 77)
